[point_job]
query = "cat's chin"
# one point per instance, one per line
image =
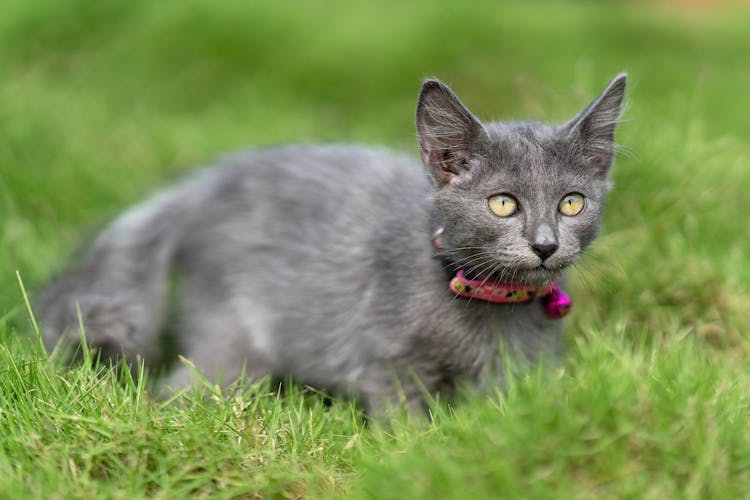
(538, 275)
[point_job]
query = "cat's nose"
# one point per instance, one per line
(544, 250)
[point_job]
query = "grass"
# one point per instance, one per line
(102, 102)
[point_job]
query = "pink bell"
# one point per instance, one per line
(557, 303)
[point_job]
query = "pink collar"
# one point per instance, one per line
(556, 302)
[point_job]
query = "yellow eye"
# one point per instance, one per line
(503, 205)
(571, 204)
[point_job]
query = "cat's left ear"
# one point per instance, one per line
(593, 130)
(448, 132)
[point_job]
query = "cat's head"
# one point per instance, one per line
(519, 200)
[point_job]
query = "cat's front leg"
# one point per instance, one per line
(518, 346)
(387, 393)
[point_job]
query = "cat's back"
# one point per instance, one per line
(309, 173)
(302, 201)
(302, 183)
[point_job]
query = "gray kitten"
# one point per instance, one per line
(348, 268)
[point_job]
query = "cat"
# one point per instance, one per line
(347, 268)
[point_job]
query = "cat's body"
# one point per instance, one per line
(318, 262)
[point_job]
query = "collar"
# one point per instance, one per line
(555, 301)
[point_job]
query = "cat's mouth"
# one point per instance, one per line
(544, 272)
(538, 275)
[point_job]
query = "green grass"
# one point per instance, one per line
(103, 102)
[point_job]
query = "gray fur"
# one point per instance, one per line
(316, 262)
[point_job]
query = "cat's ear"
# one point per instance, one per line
(593, 130)
(447, 132)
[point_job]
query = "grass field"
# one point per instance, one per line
(103, 102)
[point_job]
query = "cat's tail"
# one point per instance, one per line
(120, 287)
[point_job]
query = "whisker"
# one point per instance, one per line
(583, 277)
(491, 265)
(582, 267)
(492, 270)
(469, 260)
(479, 269)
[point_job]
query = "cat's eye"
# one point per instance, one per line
(503, 205)
(571, 204)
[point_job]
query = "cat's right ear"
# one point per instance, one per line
(447, 132)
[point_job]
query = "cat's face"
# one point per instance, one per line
(525, 210)
(518, 201)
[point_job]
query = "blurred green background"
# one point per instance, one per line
(103, 102)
